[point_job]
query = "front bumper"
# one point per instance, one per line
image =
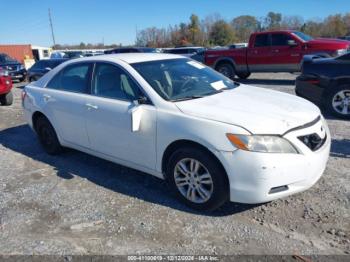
(262, 177)
(20, 74)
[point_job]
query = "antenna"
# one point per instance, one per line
(53, 36)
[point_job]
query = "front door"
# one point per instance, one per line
(285, 57)
(109, 118)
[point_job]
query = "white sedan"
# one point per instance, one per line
(211, 138)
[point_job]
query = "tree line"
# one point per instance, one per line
(213, 30)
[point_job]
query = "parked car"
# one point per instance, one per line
(276, 51)
(132, 50)
(212, 139)
(15, 69)
(41, 67)
(194, 52)
(6, 97)
(67, 54)
(326, 82)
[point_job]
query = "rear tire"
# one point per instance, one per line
(47, 136)
(226, 69)
(207, 185)
(243, 75)
(6, 99)
(337, 102)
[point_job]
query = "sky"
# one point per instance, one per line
(108, 21)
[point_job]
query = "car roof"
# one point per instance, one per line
(130, 58)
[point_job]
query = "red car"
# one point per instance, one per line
(6, 97)
(276, 51)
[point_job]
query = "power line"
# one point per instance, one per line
(53, 36)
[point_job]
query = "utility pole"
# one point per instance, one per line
(53, 35)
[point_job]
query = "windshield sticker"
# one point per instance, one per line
(218, 85)
(196, 65)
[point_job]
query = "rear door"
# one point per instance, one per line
(286, 58)
(258, 56)
(64, 102)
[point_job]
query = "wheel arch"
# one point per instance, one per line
(225, 59)
(181, 143)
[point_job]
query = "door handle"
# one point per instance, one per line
(46, 97)
(275, 51)
(90, 106)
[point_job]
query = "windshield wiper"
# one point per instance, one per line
(195, 96)
(186, 98)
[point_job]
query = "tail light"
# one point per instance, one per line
(313, 81)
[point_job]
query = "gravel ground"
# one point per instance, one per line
(78, 204)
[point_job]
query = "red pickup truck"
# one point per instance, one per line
(276, 51)
(6, 97)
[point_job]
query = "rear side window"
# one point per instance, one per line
(111, 81)
(262, 40)
(280, 39)
(73, 78)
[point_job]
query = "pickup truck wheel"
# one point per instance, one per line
(337, 102)
(226, 69)
(243, 75)
(6, 99)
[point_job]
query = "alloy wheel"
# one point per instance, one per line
(341, 102)
(193, 180)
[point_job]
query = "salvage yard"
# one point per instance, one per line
(78, 204)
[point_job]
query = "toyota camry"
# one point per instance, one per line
(212, 139)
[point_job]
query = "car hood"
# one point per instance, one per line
(258, 110)
(331, 43)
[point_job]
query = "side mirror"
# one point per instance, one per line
(292, 43)
(142, 100)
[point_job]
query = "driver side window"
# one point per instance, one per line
(110, 81)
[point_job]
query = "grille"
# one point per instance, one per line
(313, 141)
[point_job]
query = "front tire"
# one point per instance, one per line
(226, 69)
(337, 102)
(197, 179)
(47, 136)
(6, 99)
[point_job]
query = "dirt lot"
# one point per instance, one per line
(77, 204)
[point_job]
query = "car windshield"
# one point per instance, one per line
(303, 36)
(182, 79)
(6, 59)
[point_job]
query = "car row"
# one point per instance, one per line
(212, 139)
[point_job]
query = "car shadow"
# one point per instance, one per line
(114, 177)
(281, 82)
(340, 148)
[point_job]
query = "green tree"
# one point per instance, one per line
(222, 33)
(194, 30)
(273, 21)
(244, 25)
(334, 26)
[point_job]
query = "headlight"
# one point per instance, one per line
(262, 143)
(340, 52)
